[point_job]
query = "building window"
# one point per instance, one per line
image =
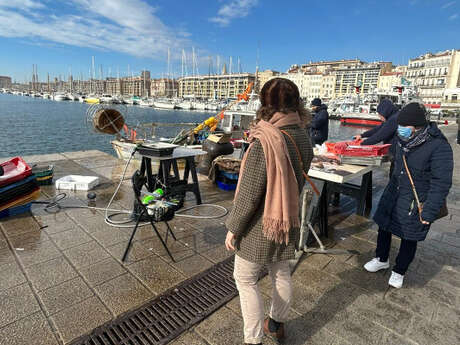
(454, 97)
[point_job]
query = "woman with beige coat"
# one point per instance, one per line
(263, 226)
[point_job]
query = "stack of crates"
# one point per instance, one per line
(226, 180)
(43, 174)
(18, 187)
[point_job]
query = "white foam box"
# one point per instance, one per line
(77, 182)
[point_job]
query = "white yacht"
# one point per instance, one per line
(106, 98)
(146, 102)
(186, 105)
(60, 97)
(165, 104)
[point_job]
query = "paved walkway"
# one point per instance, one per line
(61, 275)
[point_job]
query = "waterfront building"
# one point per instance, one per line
(163, 87)
(339, 77)
(309, 84)
(214, 86)
(324, 66)
(134, 85)
(264, 76)
(327, 86)
(361, 74)
(451, 99)
(434, 74)
(387, 80)
(5, 82)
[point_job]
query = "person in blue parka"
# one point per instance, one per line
(319, 126)
(386, 131)
(430, 163)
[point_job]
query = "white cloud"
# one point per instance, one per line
(232, 10)
(21, 4)
(127, 26)
(454, 16)
(447, 5)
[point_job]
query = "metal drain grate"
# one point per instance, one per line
(167, 316)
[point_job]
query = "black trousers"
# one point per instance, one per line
(406, 251)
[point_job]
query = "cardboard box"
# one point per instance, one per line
(221, 138)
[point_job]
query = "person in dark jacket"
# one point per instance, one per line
(387, 130)
(319, 126)
(430, 163)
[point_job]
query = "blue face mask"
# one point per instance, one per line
(404, 132)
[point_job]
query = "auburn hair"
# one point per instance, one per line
(281, 95)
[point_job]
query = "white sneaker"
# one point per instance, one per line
(396, 280)
(376, 265)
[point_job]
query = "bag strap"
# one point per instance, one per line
(419, 205)
(299, 156)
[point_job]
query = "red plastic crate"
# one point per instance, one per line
(14, 170)
(352, 148)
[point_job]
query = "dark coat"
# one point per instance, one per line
(245, 219)
(387, 130)
(431, 166)
(319, 126)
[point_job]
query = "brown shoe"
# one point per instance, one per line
(278, 335)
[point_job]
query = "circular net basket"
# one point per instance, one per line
(108, 121)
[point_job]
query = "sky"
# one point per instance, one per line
(127, 36)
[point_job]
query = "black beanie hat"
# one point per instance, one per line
(316, 102)
(413, 114)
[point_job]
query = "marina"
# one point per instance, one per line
(28, 120)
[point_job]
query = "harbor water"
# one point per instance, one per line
(30, 126)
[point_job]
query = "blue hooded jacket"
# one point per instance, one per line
(319, 126)
(387, 130)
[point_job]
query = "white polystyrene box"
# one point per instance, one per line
(77, 182)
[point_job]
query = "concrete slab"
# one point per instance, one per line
(86, 254)
(156, 274)
(22, 332)
(102, 271)
(64, 295)
(50, 273)
(80, 319)
(122, 293)
(71, 238)
(12, 276)
(16, 303)
(34, 253)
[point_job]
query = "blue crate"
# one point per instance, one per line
(13, 211)
(231, 176)
(226, 186)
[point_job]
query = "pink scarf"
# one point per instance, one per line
(281, 211)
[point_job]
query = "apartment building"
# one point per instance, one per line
(362, 74)
(327, 86)
(164, 87)
(435, 75)
(135, 86)
(309, 84)
(264, 76)
(5, 82)
(214, 86)
(325, 66)
(387, 80)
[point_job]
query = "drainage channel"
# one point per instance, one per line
(167, 316)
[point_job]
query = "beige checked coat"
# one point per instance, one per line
(245, 219)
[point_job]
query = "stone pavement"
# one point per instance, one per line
(61, 275)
